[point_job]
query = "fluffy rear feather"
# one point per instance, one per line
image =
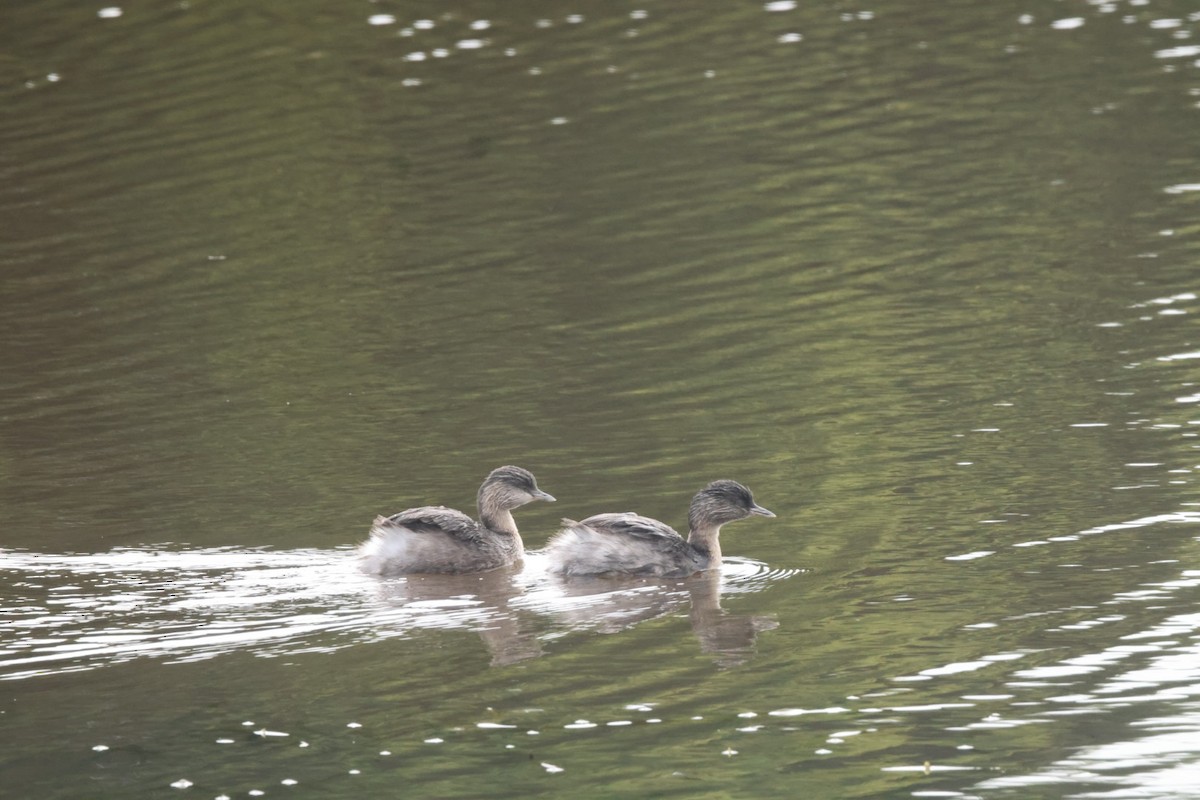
(432, 539)
(627, 544)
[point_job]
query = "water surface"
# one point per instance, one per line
(924, 278)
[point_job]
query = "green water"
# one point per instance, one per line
(923, 277)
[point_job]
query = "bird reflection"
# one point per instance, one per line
(508, 638)
(615, 604)
(511, 606)
(201, 603)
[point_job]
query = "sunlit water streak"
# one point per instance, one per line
(1149, 672)
(198, 604)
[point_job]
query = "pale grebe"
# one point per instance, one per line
(440, 539)
(630, 544)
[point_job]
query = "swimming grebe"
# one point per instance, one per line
(630, 544)
(440, 539)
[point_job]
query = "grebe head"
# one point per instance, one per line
(721, 502)
(510, 487)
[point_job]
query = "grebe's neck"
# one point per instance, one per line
(499, 520)
(707, 539)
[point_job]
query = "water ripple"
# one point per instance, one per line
(197, 604)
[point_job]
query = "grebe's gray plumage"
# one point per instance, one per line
(440, 539)
(630, 544)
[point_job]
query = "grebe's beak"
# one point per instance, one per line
(760, 511)
(549, 498)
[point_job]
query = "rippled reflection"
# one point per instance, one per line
(613, 604)
(81, 611)
(74, 612)
(1159, 755)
